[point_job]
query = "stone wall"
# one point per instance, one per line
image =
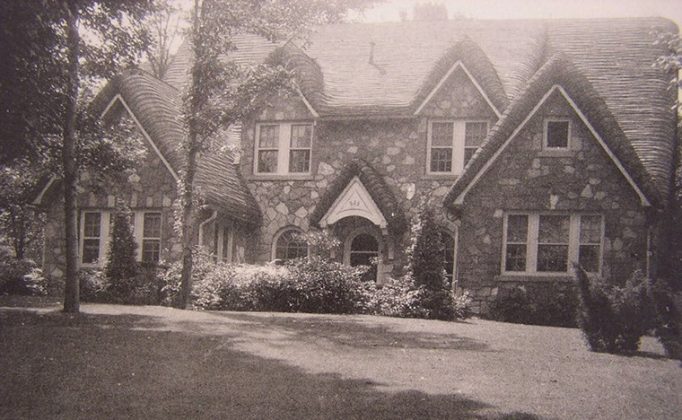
(149, 187)
(526, 178)
(396, 149)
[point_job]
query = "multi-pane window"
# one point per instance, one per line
(290, 244)
(92, 234)
(474, 134)
(299, 148)
(557, 134)
(151, 237)
(268, 148)
(441, 146)
(590, 243)
(453, 143)
(517, 242)
(553, 243)
(549, 243)
(283, 148)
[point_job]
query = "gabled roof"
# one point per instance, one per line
(562, 75)
(375, 185)
(468, 54)
(157, 107)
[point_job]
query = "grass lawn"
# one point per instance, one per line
(152, 362)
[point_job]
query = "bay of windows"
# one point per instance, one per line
(453, 143)
(283, 148)
(549, 243)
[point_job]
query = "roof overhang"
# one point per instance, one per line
(441, 82)
(555, 88)
(356, 201)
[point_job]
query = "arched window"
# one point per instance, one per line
(364, 249)
(449, 257)
(290, 244)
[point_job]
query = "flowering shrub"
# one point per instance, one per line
(21, 277)
(402, 298)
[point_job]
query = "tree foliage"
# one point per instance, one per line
(671, 265)
(20, 223)
(221, 92)
(121, 266)
(70, 44)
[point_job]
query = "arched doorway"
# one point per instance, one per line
(363, 248)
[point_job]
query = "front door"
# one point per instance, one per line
(364, 250)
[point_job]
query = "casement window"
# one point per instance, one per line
(92, 237)
(557, 134)
(283, 148)
(290, 244)
(452, 143)
(151, 237)
(548, 243)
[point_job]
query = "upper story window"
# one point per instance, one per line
(549, 243)
(453, 143)
(283, 148)
(557, 135)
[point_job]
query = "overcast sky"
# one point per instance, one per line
(518, 9)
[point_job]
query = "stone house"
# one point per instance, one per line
(537, 144)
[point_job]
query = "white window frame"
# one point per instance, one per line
(283, 148)
(138, 231)
(545, 133)
(104, 236)
(532, 242)
(151, 238)
(458, 144)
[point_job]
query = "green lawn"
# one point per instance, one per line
(152, 362)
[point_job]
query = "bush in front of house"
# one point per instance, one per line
(668, 324)
(121, 268)
(401, 298)
(429, 294)
(550, 304)
(614, 318)
(20, 277)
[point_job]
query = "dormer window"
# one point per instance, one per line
(557, 134)
(453, 143)
(283, 148)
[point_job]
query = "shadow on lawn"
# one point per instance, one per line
(352, 332)
(101, 366)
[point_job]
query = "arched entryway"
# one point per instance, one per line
(362, 249)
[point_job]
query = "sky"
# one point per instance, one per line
(522, 9)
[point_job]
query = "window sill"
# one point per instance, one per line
(557, 153)
(437, 176)
(534, 277)
(282, 177)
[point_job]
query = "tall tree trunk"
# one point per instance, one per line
(71, 292)
(188, 222)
